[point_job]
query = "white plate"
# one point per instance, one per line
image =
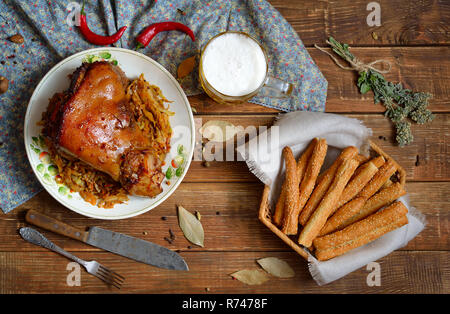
(133, 64)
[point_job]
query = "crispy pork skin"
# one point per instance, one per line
(91, 121)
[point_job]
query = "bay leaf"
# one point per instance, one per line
(276, 267)
(218, 130)
(186, 67)
(191, 226)
(251, 276)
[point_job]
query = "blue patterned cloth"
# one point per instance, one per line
(50, 37)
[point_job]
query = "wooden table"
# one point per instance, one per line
(414, 37)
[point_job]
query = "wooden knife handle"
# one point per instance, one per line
(36, 218)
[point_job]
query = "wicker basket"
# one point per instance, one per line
(265, 213)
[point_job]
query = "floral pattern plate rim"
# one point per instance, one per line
(133, 64)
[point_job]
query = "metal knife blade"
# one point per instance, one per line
(136, 249)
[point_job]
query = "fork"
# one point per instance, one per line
(92, 267)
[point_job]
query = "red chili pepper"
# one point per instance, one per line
(150, 31)
(94, 38)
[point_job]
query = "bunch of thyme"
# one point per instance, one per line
(401, 104)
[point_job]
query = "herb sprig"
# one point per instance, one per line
(402, 105)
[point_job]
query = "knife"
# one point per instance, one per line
(115, 242)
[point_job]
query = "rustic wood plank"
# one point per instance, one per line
(229, 216)
(425, 69)
(419, 69)
(227, 194)
(402, 22)
(426, 159)
(46, 272)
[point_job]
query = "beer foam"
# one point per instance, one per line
(234, 64)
